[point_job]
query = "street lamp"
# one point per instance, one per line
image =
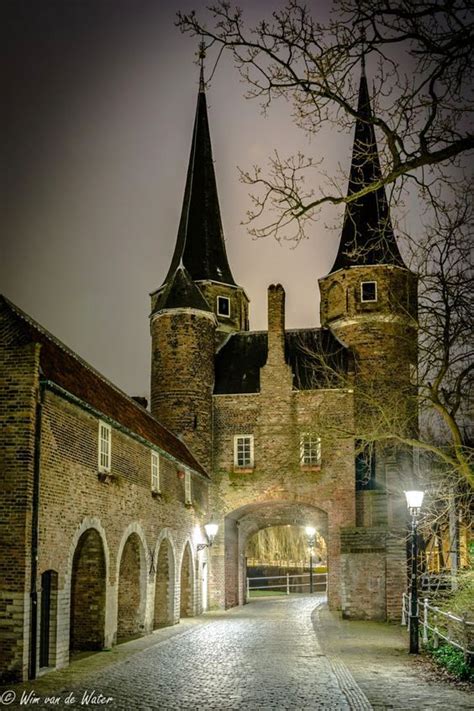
(211, 531)
(414, 502)
(311, 535)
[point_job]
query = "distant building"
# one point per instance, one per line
(103, 502)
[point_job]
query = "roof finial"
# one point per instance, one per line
(202, 56)
(363, 49)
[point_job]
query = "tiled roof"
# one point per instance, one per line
(65, 368)
(316, 357)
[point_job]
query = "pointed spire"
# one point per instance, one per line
(200, 245)
(367, 235)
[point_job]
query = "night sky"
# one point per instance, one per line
(100, 102)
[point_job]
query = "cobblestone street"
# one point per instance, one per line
(264, 656)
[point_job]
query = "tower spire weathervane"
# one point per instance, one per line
(202, 56)
(363, 49)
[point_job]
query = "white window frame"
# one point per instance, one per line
(220, 296)
(368, 301)
(244, 464)
(188, 496)
(155, 472)
(104, 449)
(310, 450)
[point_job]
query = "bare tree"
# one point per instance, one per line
(422, 97)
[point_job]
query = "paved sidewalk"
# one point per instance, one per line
(376, 655)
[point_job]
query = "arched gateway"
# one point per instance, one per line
(243, 523)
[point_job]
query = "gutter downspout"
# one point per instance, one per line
(35, 536)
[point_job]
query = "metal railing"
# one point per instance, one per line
(288, 585)
(456, 631)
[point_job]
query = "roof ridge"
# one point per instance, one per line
(32, 322)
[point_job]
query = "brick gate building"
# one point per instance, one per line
(275, 414)
(103, 501)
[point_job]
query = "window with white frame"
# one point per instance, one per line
(155, 472)
(243, 451)
(105, 446)
(187, 488)
(223, 306)
(368, 291)
(310, 450)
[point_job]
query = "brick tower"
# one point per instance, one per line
(197, 305)
(368, 300)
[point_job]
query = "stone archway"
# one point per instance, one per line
(88, 593)
(186, 604)
(244, 522)
(131, 592)
(164, 586)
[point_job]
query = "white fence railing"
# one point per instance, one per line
(288, 583)
(456, 631)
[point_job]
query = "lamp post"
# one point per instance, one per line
(414, 502)
(211, 532)
(311, 535)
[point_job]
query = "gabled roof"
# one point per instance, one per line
(181, 292)
(63, 367)
(316, 357)
(200, 245)
(367, 235)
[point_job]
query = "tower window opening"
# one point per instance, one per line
(243, 451)
(310, 450)
(368, 291)
(223, 306)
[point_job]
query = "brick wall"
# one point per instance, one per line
(18, 398)
(88, 594)
(89, 529)
(238, 318)
(182, 376)
(278, 490)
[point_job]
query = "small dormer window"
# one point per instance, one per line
(223, 306)
(368, 291)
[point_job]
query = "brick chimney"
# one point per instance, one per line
(276, 375)
(276, 325)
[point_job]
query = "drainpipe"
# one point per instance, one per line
(35, 536)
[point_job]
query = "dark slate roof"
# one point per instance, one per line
(367, 236)
(181, 292)
(200, 244)
(63, 367)
(316, 358)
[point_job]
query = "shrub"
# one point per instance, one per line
(453, 660)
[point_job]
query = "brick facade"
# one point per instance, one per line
(111, 545)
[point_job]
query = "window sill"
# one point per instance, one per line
(188, 504)
(310, 468)
(243, 470)
(106, 477)
(367, 305)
